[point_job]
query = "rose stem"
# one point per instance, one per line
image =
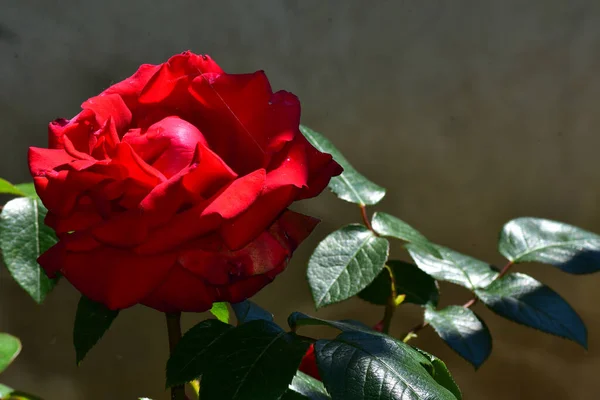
(174, 332)
(390, 306)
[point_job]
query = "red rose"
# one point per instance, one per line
(308, 365)
(171, 188)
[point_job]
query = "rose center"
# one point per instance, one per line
(168, 145)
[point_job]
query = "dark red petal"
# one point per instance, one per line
(44, 160)
(308, 365)
(130, 88)
(243, 229)
(126, 229)
(181, 68)
(75, 221)
(114, 277)
(109, 106)
(226, 115)
(181, 291)
(204, 217)
(248, 287)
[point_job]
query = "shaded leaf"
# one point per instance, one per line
(567, 247)
(344, 263)
(220, 311)
(522, 299)
(10, 347)
(357, 365)
(194, 352)
(350, 185)
(388, 225)
(441, 374)
(463, 331)
(251, 352)
(92, 320)
(247, 311)
(297, 319)
(23, 238)
(453, 267)
(304, 386)
(411, 281)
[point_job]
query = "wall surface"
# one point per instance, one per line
(470, 113)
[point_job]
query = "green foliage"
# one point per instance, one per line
(220, 311)
(388, 225)
(344, 263)
(247, 311)
(297, 319)
(411, 281)
(453, 267)
(350, 185)
(23, 238)
(92, 320)
(253, 351)
(567, 247)
(306, 387)
(463, 331)
(522, 299)
(8, 188)
(441, 374)
(194, 352)
(10, 347)
(358, 365)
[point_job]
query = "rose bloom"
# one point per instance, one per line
(171, 188)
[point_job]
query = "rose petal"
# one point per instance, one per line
(114, 277)
(181, 291)
(109, 106)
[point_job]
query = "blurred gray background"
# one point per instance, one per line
(470, 113)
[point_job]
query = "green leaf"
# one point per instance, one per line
(297, 319)
(411, 281)
(441, 374)
(257, 360)
(453, 267)
(247, 311)
(8, 188)
(5, 391)
(357, 365)
(10, 347)
(344, 263)
(522, 299)
(92, 320)
(463, 331)
(18, 395)
(23, 238)
(350, 185)
(220, 311)
(567, 247)
(194, 352)
(388, 225)
(28, 189)
(306, 387)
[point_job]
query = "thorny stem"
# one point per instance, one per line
(390, 306)
(174, 332)
(413, 332)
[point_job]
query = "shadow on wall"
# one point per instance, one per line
(470, 113)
